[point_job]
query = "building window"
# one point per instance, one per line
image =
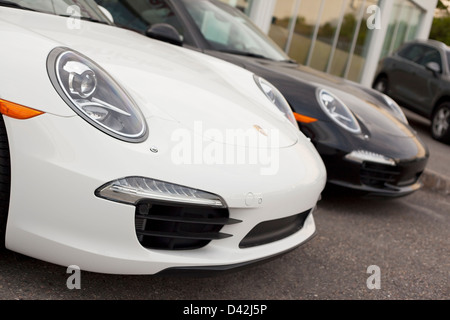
(333, 36)
(327, 35)
(280, 30)
(403, 25)
(361, 40)
(243, 5)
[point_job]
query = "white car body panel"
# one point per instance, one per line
(58, 160)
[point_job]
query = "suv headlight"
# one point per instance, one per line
(94, 95)
(338, 111)
(277, 98)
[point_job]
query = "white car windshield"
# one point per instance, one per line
(227, 29)
(85, 9)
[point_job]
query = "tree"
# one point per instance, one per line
(440, 30)
(442, 6)
(441, 24)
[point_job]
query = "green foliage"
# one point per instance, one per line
(440, 30)
(441, 6)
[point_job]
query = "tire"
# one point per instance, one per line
(5, 181)
(381, 85)
(440, 123)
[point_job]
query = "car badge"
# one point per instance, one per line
(261, 130)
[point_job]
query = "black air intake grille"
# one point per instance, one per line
(378, 175)
(270, 231)
(168, 227)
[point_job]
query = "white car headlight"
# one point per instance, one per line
(94, 95)
(131, 190)
(395, 108)
(277, 98)
(338, 111)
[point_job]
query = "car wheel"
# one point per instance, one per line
(5, 181)
(381, 84)
(440, 125)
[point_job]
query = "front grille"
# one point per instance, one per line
(378, 175)
(270, 231)
(171, 227)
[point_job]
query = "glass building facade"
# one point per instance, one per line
(244, 5)
(403, 25)
(327, 35)
(337, 36)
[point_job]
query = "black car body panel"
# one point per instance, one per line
(381, 131)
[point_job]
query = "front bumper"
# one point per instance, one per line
(375, 178)
(213, 270)
(409, 154)
(58, 163)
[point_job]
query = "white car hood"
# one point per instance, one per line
(168, 82)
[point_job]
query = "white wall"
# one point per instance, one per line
(376, 46)
(262, 13)
(429, 6)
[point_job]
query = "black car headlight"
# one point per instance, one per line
(94, 95)
(277, 98)
(395, 109)
(338, 111)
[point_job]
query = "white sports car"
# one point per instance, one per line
(121, 154)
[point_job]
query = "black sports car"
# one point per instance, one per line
(362, 135)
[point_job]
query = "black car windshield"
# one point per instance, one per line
(227, 29)
(84, 9)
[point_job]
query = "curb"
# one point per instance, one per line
(436, 182)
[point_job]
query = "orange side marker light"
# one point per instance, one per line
(304, 119)
(17, 111)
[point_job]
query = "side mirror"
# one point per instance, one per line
(106, 13)
(165, 32)
(433, 67)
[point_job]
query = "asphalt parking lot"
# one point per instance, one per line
(407, 239)
(439, 152)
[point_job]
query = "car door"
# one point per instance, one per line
(427, 81)
(403, 72)
(410, 81)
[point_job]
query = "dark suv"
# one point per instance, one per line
(418, 77)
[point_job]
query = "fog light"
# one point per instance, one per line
(362, 155)
(131, 190)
